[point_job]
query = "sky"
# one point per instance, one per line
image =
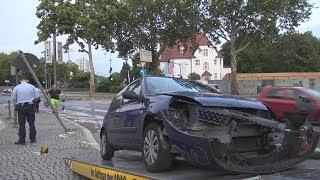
(18, 32)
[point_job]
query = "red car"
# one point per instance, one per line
(283, 99)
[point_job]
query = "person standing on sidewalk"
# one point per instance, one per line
(54, 94)
(37, 100)
(23, 96)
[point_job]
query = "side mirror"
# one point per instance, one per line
(130, 95)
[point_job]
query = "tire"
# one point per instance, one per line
(106, 150)
(156, 148)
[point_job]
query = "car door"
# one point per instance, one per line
(275, 100)
(291, 99)
(111, 121)
(130, 118)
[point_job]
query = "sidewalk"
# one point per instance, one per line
(23, 162)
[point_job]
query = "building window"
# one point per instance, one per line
(215, 75)
(181, 49)
(206, 66)
(205, 52)
(215, 61)
(197, 62)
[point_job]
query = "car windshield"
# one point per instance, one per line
(167, 85)
(313, 93)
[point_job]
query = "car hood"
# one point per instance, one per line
(211, 99)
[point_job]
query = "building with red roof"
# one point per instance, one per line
(197, 55)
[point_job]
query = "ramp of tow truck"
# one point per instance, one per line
(128, 165)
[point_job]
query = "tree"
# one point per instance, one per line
(135, 72)
(254, 59)
(81, 21)
(5, 68)
(194, 76)
(242, 22)
(124, 72)
(297, 52)
(154, 25)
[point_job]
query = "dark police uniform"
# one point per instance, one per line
(23, 95)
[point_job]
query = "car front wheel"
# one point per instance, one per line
(156, 149)
(106, 150)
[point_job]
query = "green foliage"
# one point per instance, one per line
(293, 52)
(194, 76)
(254, 59)
(297, 52)
(243, 22)
(116, 84)
(124, 72)
(5, 68)
(144, 24)
(81, 21)
(135, 72)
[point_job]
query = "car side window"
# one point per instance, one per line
(275, 94)
(294, 95)
(135, 87)
(116, 102)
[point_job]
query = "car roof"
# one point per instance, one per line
(285, 87)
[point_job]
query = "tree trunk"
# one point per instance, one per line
(233, 78)
(91, 70)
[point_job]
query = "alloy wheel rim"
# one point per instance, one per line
(103, 144)
(151, 147)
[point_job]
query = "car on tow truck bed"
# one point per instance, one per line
(165, 117)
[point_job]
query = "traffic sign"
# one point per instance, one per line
(143, 72)
(145, 56)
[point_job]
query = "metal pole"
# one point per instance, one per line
(110, 77)
(45, 76)
(15, 113)
(42, 90)
(9, 109)
(54, 62)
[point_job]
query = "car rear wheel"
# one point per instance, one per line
(106, 150)
(156, 149)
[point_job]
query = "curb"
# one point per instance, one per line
(88, 134)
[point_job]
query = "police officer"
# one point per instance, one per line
(23, 96)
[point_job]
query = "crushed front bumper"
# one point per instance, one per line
(298, 143)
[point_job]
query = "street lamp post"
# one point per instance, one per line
(110, 71)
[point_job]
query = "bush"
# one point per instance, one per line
(104, 86)
(116, 89)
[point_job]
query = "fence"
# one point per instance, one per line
(270, 76)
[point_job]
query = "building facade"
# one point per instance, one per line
(194, 56)
(83, 64)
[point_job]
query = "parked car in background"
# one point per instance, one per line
(283, 99)
(164, 117)
(216, 87)
(7, 90)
